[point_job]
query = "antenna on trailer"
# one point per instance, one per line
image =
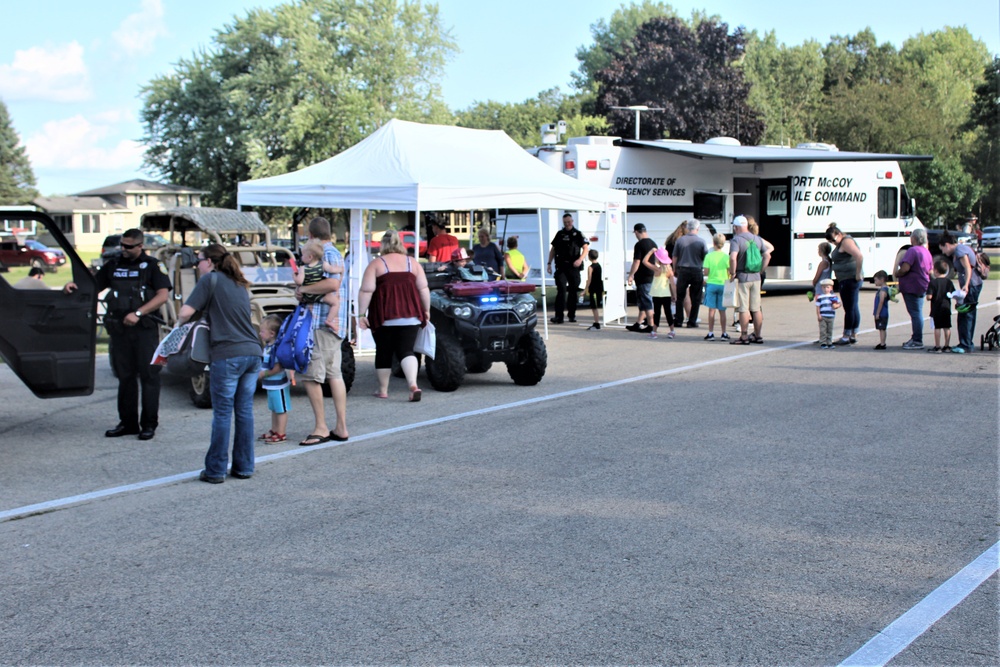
(639, 108)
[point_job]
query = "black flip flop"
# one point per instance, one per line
(320, 439)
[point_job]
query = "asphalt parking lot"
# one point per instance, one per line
(649, 502)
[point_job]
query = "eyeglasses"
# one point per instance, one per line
(127, 246)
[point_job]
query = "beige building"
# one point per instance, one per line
(87, 217)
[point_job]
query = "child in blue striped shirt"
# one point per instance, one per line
(826, 312)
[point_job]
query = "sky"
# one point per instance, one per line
(71, 73)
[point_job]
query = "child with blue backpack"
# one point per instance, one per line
(276, 380)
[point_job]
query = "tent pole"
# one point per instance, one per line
(541, 254)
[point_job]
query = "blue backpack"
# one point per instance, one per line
(294, 342)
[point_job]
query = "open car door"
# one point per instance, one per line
(47, 337)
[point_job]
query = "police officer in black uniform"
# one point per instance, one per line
(569, 248)
(136, 290)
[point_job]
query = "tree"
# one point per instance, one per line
(690, 73)
(944, 190)
(984, 160)
(610, 38)
(522, 120)
(17, 180)
(786, 87)
(286, 87)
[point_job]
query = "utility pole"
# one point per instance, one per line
(639, 108)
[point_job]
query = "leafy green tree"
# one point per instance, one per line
(522, 120)
(944, 190)
(786, 87)
(689, 73)
(947, 64)
(286, 87)
(611, 36)
(983, 160)
(859, 59)
(17, 180)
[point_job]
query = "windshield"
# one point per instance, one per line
(35, 245)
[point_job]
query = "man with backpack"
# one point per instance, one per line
(748, 257)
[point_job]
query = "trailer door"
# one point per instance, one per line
(775, 222)
(48, 337)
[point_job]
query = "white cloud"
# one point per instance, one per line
(137, 34)
(82, 143)
(52, 74)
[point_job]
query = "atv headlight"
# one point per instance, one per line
(464, 312)
(523, 309)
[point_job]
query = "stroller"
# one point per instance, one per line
(992, 337)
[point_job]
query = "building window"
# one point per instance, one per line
(888, 203)
(139, 200)
(85, 219)
(190, 200)
(96, 219)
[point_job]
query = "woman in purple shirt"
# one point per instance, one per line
(914, 274)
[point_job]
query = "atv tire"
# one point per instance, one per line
(447, 369)
(528, 368)
(475, 363)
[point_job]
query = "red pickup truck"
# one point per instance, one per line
(32, 253)
(406, 237)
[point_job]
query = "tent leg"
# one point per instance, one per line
(542, 256)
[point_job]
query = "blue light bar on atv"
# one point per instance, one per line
(489, 299)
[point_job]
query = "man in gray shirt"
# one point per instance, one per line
(689, 259)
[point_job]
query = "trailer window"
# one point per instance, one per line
(888, 203)
(708, 206)
(777, 200)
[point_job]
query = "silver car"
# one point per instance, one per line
(991, 237)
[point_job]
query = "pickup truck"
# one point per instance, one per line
(406, 237)
(31, 253)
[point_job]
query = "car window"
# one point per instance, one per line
(35, 245)
(991, 230)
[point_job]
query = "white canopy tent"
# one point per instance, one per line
(407, 166)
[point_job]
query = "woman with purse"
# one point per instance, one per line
(235, 360)
(395, 303)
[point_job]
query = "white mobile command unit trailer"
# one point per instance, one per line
(794, 193)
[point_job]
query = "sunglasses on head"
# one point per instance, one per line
(129, 246)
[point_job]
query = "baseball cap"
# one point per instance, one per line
(826, 281)
(739, 221)
(639, 227)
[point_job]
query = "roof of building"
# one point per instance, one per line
(72, 204)
(140, 186)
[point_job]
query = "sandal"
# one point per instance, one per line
(415, 395)
(739, 341)
(378, 395)
(265, 436)
(275, 438)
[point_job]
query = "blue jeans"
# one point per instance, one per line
(233, 382)
(915, 307)
(967, 321)
(850, 295)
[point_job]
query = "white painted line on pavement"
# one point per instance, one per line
(902, 632)
(59, 503)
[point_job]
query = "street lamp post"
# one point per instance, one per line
(639, 108)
